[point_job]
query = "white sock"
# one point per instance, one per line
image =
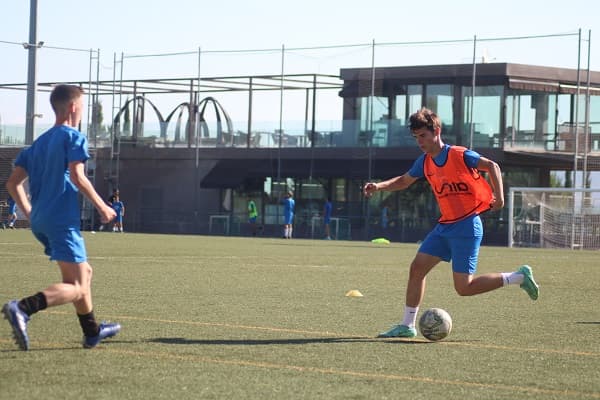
(290, 234)
(286, 232)
(410, 316)
(512, 278)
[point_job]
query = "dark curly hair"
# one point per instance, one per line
(424, 118)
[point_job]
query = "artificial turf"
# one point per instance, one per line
(224, 317)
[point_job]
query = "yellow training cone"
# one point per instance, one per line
(354, 293)
(380, 241)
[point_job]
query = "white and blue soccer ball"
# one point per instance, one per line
(435, 324)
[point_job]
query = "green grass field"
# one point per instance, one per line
(216, 317)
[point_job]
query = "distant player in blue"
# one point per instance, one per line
(11, 217)
(384, 216)
(119, 208)
(54, 166)
(328, 209)
(288, 215)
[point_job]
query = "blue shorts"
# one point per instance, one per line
(252, 220)
(288, 219)
(458, 242)
(326, 220)
(119, 218)
(63, 245)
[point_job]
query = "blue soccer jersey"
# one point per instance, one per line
(288, 210)
(288, 206)
(54, 202)
(118, 207)
(328, 210)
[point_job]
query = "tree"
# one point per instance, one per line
(98, 117)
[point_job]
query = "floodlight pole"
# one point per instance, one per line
(369, 138)
(31, 47)
(280, 128)
(472, 105)
(280, 136)
(586, 131)
(576, 137)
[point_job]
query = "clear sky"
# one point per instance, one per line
(155, 26)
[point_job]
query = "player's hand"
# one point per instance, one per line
(497, 204)
(107, 214)
(369, 189)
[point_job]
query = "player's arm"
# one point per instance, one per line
(77, 175)
(398, 183)
(495, 175)
(16, 189)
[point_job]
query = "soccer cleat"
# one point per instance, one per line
(529, 285)
(18, 321)
(106, 331)
(401, 331)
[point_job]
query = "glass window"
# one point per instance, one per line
(400, 111)
(374, 120)
(404, 105)
(415, 99)
(487, 108)
(440, 99)
(381, 119)
(536, 119)
(595, 123)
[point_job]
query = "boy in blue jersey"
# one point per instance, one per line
(110, 200)
(462, 195)
(11, 217)
(54, 166)
(119, 208)
(288, 215)
(328, 209)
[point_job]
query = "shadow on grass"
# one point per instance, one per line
(588, 322)
(298, 243)
(31, 350)
(262, 342)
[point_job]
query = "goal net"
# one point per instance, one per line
(554, 218)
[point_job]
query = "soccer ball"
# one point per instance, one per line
(435, 324)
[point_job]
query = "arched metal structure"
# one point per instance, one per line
(138, 116)
(224, 137)
(224, 127)
(177, 136)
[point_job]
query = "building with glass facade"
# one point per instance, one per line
(539, 123)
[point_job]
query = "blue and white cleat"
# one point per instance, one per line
(18, 322)
(106, 331)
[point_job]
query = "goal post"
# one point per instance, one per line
(554, 218)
